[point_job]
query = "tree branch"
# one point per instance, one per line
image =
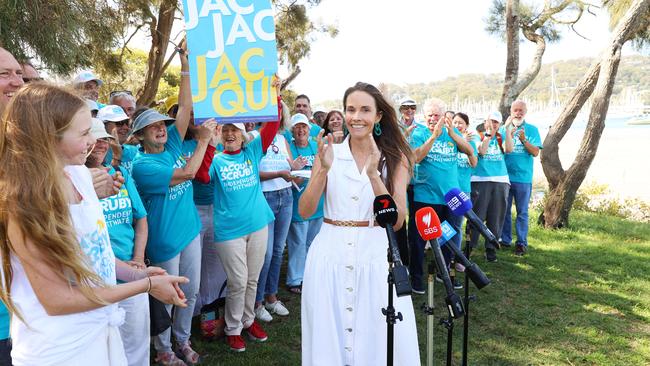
(290, 78)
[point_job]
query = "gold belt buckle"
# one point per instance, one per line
(348, 223)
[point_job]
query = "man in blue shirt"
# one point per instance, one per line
(519, 162)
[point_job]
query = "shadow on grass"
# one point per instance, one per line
(581, 296)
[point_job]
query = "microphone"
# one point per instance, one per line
(474, 273)
(461, 205)
(428, 225)
(385, 211)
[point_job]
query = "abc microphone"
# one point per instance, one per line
(428, 225)
(461, 205)
(385, 212)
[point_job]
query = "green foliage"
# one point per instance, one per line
(294, 31)
(617, 9)
(534, 18)
(598, 198)
(61, 34)
(130, 76)
(633, 76)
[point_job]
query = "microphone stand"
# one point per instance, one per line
(389, 312)
(467, 299)
(398, 279)
(427, 308)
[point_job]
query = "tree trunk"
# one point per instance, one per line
(512, 45)
(160, 29)
(563, 189)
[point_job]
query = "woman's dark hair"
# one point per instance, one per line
(463, 116)
(326, 125)
(391, 142)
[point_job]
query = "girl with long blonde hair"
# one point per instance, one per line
(58, 269)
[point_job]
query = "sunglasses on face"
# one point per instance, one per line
(121, 123)
(115, 92)
(413, 107)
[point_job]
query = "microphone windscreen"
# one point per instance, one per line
(458, 201)
(385, 210)
(428, 223)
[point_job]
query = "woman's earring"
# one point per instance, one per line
(377, 129)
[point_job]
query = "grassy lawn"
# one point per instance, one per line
(581, 296)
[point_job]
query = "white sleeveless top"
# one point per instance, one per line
(55, 340)
(274, 160)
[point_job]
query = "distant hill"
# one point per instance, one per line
(632, 84)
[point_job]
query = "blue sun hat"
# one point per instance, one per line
(149, 117)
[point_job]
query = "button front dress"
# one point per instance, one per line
(345, 286)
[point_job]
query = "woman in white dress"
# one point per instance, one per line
(344, 285)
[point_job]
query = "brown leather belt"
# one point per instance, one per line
(348, 223)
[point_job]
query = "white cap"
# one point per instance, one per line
(112, 113)
(239, 125)
(85, 76)
(98, 130)
(407, 101)
(299, 118)
(495, 116)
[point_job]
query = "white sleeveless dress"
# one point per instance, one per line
(344, 286)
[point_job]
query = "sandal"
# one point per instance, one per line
(297, 290)
(189, 355)
(168, 359)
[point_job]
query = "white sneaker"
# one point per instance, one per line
(262, 314)
(277, 308)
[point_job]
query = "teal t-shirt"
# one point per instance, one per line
(173, 218)
(120, 211)
(492, 164)
(519, 162)
(4, 321)
(464, 169)
(416, 166)
(309, 152)
(128, 154)
(438, 171)
(203, 193)
(239, 204)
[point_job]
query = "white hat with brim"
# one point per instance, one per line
(98, 130)
(86, 76)
(238, 125)
(112, 113)
(495, 116)
(299, 118)
(149, 117)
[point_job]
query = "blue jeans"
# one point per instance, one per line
(520, 192)
(281, 203)
(416, 263)
(301, 234)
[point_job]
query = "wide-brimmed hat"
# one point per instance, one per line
(112, 113)
(149, 117)
(98, 130)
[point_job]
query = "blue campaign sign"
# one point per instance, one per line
(448, 232)
(233, 59)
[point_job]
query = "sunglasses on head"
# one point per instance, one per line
(29, 80)
(413, 107)
(116, 92)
